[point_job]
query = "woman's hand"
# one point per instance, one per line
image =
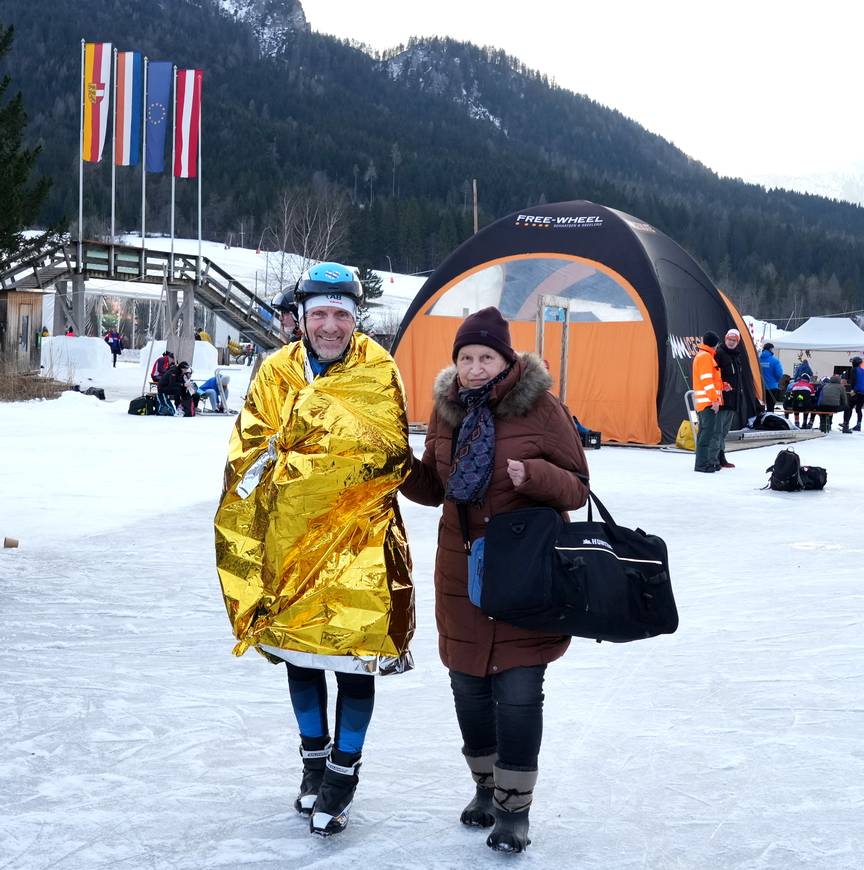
(516, 470)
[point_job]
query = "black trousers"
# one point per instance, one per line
(856, 403)
(502, 712)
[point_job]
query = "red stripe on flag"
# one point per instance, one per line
(187, 123)
(195, 124)
(95, 113)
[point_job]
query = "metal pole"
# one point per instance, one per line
(113, 166)
(476, 225)
(173, 149)
(541, 310)
(144, 169)
(153, 336)
(81, 169)
(565, 357)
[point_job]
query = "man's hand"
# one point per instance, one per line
(716, 406)
(516, 470)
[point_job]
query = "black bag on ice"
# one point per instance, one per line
(768, 420)
(785, 472)
(589, 579)
(813, 477)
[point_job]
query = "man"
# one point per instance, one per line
(708, 389)
(115, 343)
(772, 371)
(171, 390)
(310, 546)
(729, 362)
(286, 306)
(215, 389)
(854, 377)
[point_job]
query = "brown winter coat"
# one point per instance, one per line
(532, 426)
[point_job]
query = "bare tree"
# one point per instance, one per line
(356, 176)
(309, 225)
(370, 176)
(396, 155)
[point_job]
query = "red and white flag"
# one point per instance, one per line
(97, 78)
(187, 122)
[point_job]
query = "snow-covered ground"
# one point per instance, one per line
(132, 738)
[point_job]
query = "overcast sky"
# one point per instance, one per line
(752, 89)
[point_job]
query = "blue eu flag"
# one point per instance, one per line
(159, 75)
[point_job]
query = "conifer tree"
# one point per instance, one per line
(22, 198)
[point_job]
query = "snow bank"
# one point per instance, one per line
(205, 357)
(63, 356)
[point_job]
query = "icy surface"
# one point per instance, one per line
(132, 738)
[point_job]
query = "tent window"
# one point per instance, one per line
(513, 286)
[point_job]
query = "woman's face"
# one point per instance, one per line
(477, 364)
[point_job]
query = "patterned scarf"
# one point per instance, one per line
(474, 456)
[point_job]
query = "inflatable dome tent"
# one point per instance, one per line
(638, 307)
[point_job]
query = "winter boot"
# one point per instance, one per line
(845, 429)
(314, 751)
(330, 813)
(857, 427)
(514, 790)
(724, 462)
(478, 813)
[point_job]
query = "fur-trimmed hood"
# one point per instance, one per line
(515, 396)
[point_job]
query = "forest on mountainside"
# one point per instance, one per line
(395, 139)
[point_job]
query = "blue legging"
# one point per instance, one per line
(355, 699)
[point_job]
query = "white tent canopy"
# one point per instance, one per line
(824, 333)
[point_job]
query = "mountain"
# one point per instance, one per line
(398, 137)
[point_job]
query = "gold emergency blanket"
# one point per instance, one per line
(310, 546)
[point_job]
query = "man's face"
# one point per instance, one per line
(732, 341)
(329, 330)
(289, 322)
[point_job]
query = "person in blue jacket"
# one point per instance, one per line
(772, 371)
(210, 389)
(802, 368)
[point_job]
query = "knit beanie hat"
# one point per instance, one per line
(711, 339)
(486, 327)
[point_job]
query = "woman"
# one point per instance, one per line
(497, 441)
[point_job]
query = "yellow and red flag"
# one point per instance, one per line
(97, 79)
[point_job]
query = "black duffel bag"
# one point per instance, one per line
(588, 579)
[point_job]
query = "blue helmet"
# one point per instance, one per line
(326, 278)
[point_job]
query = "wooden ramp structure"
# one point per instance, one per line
(198, 278)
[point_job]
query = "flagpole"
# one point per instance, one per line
(113, 164)
(200, 125)
(81, 167)
(173, 149)
(144, 168)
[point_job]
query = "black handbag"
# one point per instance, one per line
(588, 579)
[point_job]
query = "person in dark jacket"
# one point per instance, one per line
(832, 397)
(172, 388)
(498, 440)
(730, 361)
(161, 366)
(854, 377)
(115, 343)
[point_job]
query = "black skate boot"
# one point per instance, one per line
(330, 813)
(478, 813)
(514, 790)
(314, 751)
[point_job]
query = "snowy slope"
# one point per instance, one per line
(132, 738)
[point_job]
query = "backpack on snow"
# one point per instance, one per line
(144, 406)
(788, 475)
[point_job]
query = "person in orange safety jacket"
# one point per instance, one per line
(708, 387)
